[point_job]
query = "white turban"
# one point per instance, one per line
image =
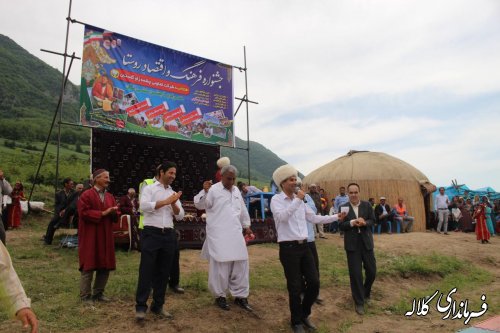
(223, 161)
(283, 173)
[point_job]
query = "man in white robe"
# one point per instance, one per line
(225, 246)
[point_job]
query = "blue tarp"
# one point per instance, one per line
(451, 191)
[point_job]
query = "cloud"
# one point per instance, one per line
(402, 77)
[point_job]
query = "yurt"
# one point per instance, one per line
(378, 174)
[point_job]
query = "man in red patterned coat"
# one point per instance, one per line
(97, 210)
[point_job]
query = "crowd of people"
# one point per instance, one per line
(387, 217)
(467, 213)
(10, 205)
(300, 218)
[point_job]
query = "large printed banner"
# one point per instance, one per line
(134, 86)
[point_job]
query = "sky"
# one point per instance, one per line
(418, 80)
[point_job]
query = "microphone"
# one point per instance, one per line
(297, 189)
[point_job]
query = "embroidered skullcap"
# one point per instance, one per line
(97, 172)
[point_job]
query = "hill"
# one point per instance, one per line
(29, 91)
(263, 161)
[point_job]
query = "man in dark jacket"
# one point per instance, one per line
(59, 207)
(384, 215)
(358, 244)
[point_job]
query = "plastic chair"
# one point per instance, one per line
(122, 231)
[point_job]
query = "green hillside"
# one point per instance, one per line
(29, 91)
(263, 161)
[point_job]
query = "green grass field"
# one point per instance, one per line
(51, 279)
(20, 163)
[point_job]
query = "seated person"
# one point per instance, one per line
(129, 204)
(372, 202)
(401, 214)
(384, 215)
(246, 190)
(70, 215)
(102, 90)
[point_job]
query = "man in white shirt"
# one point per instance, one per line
(225, 246)
(291, 215)
(441, 203)
(159, 204)
(254, 206)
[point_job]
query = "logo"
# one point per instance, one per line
(452, 309)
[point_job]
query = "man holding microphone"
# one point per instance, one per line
(291, 216)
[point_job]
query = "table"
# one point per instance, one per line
(261, 196)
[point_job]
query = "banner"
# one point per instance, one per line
(133, 86)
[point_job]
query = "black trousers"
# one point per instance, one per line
(385, 222)
(174, 276)
(314, 251)
(355, 261)
(299, 266)
(157, 253)
(51, 229)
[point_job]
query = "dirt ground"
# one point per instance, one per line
(336, 314)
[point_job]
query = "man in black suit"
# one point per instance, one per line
(59, 208)
(358, 244)
(384, 215)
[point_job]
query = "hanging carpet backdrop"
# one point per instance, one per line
(132, 158)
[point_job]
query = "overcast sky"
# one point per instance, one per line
(419, 80)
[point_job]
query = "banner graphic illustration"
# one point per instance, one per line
(133, 86)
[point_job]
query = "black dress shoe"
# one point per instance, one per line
(177, 290)
(222, 303)
(100, 298)
(319, 301)
(360, 309)
(162, 314)
(298, 328)
(86, 298)
(243, 303)
(307, 323)
(140, 315)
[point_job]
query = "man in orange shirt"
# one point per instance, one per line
(401, 215)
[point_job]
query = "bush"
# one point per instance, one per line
(9, 144)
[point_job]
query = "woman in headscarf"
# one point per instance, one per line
(466, 219)
(487, 213)
(482, 232)
(14, 219)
